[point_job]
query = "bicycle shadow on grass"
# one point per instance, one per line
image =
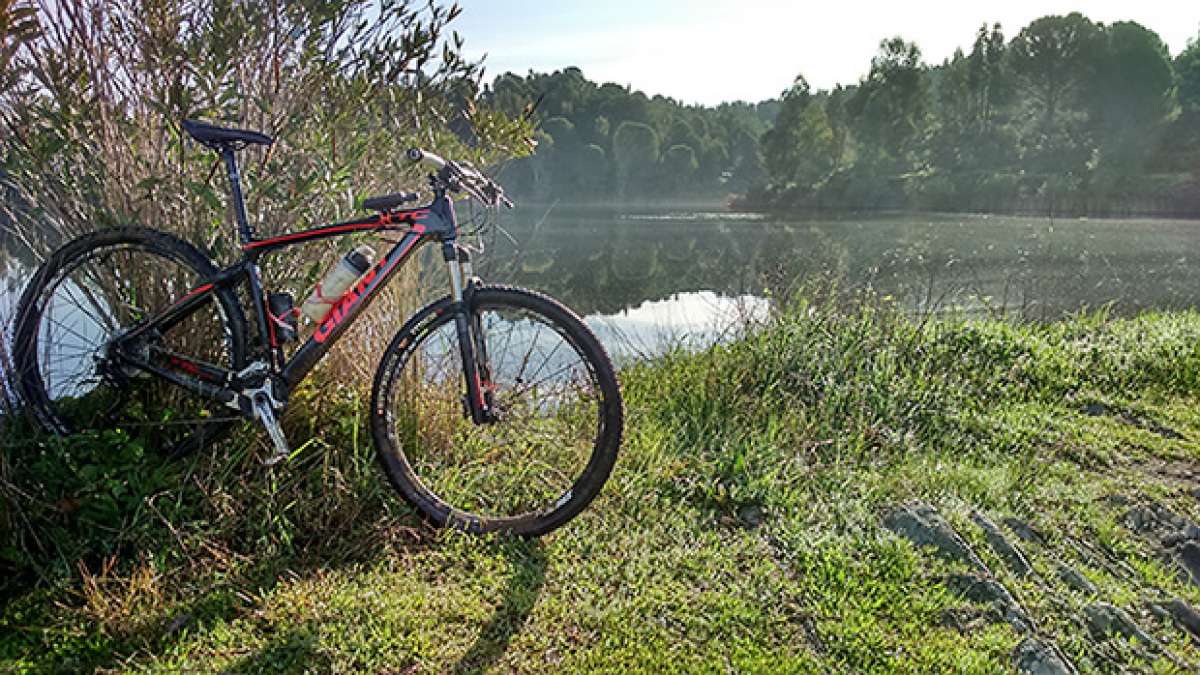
(299, 648)
(526, 581)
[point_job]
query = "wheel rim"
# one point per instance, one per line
(549, 407)
(69, 370)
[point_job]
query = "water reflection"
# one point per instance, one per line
(685, 320)
(607, 262)
(12, 277)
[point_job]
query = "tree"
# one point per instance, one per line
(955, 113)
(1054, 58)
(714, 162)
(681, 133)
(973, 95)
(839, 122)
(781, 144)
(576, 112)
(593, 171)
(800, 148)
(679, 165)
(1187, 70)
(635, 154)
(562, 131)
(890, 106)
(1184, 153)
(989, 84)
(1133, 78)
(1130, 96)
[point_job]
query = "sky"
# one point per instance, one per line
(708, 51)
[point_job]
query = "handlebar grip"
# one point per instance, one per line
(419, 155)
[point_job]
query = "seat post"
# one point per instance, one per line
(235, 187)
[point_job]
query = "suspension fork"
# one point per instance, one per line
(472, 343)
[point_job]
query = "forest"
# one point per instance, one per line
(596, 141)
(1069, 116)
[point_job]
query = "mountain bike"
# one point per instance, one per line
(492, 409)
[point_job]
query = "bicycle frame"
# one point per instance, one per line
(434, 222)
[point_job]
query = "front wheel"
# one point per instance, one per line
(556, 415)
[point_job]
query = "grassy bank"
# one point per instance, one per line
(743, 528)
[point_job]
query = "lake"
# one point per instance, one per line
(650, 278)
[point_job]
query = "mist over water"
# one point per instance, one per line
(662, 275)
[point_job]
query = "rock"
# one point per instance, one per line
(1160, 523)
(1142, 520)
(1116, 500)
(751, 515)
(1178, 536)
(1074, 579)
(1024, 530)
(922, 525)
(1095, 409)
(1012, 556)
(1189, 533)
(1035, 657)
(1188, 556)
(1103, 620)
(979, 589)
(1164, 431)
(1185, 615)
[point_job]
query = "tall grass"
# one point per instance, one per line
(94, 92)
(91, 97)
(854, 380)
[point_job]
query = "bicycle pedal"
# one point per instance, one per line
(262, 410)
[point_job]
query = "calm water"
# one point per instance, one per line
(647, 279)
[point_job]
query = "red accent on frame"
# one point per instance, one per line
(194, 292)
(270, 323)
(383, 220)
(478, 387)
(184, 365)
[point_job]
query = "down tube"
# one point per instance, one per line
(349, 307)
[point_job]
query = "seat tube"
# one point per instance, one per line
(235, 192)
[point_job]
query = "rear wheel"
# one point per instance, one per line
(557, 407)
(97, 287)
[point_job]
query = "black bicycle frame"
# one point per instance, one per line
(435, 222)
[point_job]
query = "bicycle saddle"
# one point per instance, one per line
(214, 136)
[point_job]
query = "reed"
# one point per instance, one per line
(94, 91)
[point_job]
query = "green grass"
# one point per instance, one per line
(740, 531)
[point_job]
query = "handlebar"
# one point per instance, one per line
(456, 176)
(419, 155)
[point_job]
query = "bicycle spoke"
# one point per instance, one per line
(114, 280)
(545, 427)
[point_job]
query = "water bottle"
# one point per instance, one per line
(339, 279)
